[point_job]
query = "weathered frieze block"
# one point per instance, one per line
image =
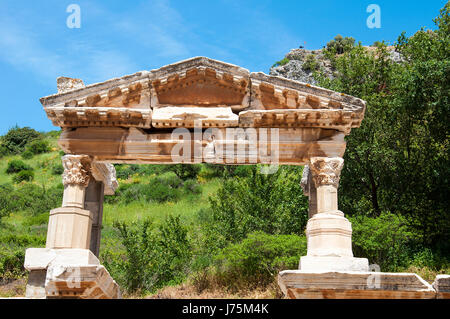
(122, 101)
(189, 117)
(200, 82)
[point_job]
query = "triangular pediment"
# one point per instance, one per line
(257, 99)
(201, 82)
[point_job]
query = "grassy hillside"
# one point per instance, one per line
(21, 228)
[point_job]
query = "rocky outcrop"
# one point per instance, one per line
(302, 64)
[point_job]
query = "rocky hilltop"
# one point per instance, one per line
(300, 64)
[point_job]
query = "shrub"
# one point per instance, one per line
(169, 179)
(125, 171)
(15, 166)
(11, 263)
(12, 253)
(310, 64)
(340, 44)
(57, 169)
(174, 253)
(3, 151)
(153, 257)
(27, 176)
(38, 147)
(131, 193)
(53, 134)
(384, 240)
(192, 187)
(281, 62)
(209, 171)
(30, 197)
(5, 203)
(39, 219)
(256, 260)
(27, 154)
(160, 192)
(186, 171)
(272, 203)
(17, 138)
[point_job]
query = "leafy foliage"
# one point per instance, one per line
(310, 64)
(281, 62)
(397, 161)
(15, 166)
(12, 252)
(22, 176)
(154, 257)
(29, 197)
(383, 240)
(257, 260)
(186, 171)
(340, 44)
(162, 188)
(38, 147)
(57, 169)
(17, 138)
(27, 154)
(272, 203)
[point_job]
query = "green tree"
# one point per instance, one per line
(18, 137)
(154, 256)
(397, 161)
(272, 203)
(340, 44)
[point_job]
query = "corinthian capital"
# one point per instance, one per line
(326, 170)
(76, 170)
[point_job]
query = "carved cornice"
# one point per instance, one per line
(76, 170)
(258, 99)
(326, 170)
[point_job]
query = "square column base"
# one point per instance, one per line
(442, 286)
(67, 273)
(297, 284)
(332, 263)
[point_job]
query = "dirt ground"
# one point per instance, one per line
(13, 288)
(186, 291)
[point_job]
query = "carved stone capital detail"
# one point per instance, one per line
(326, 170)
(76, 170)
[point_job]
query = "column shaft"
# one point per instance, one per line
(70, 225)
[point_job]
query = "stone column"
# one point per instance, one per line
(94, 203)
(328, 232)
(309, 189)
(68, 266)
(70, 225)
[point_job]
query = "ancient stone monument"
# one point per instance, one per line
(193, 111)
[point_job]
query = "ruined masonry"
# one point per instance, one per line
(203, 110)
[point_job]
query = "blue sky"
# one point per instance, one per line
(123, 37)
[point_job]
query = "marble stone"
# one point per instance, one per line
(442, 286)
(297, 284)
(67, 273)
